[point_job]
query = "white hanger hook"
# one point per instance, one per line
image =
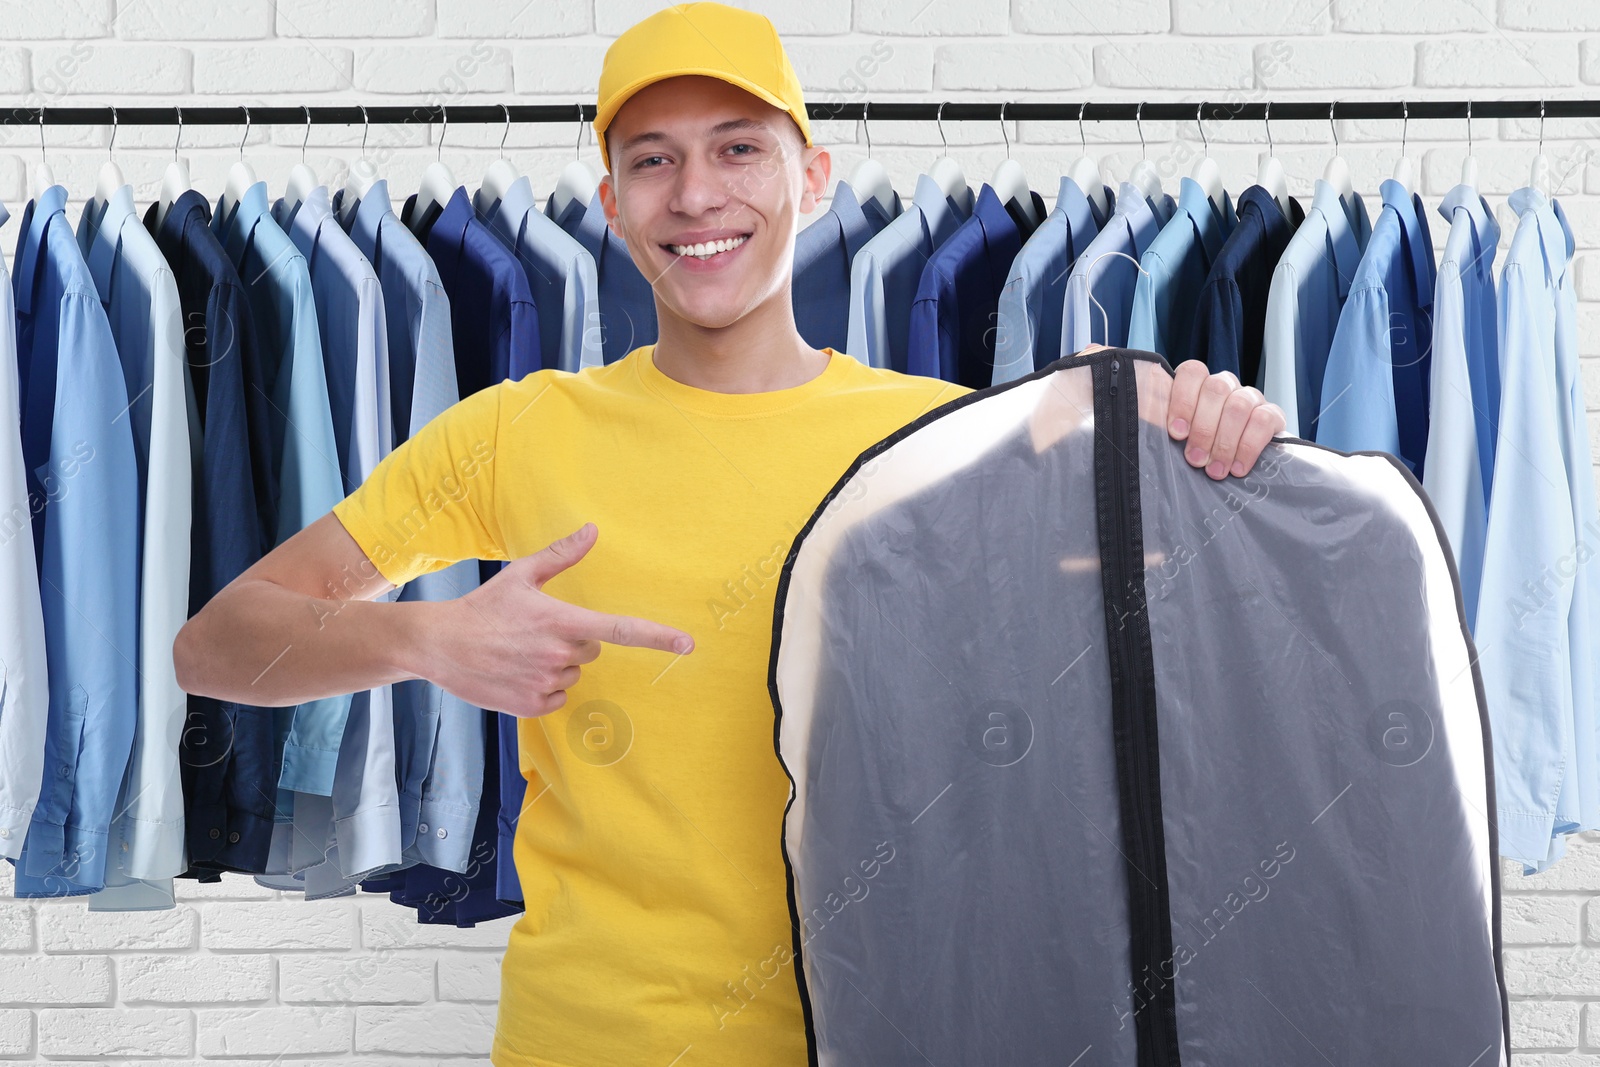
(1105, 319)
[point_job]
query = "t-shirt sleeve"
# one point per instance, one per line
(431, 502)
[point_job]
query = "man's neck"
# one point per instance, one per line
(760, 353)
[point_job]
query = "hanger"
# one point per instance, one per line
(1271, 176)
(43, 176)
(1469, 165)
(1539, 173)
(1010, 184)
(501, 174)
(1085, 173)
(302, 179)
(945, 170)
(1206, 173)
(1337, 173)
(437, 184)
(241, 176)
(1105, 318)
(175, 182)
(578, 180)
(1404, 170)
(1144, 175)
(110, 178)
(362, 175)
(869, 180)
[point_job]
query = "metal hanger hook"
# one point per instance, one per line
(507, 130)
(1266, 120)
(577, 146)
(1105, 319)
(41, 135)
(246, 136)
(1469, 127)
(1005, 136)
(365, 123)
(1333, 126)
(1082, 140)
(1138, 122)
(444, 124)
(176, 141)
(111, 144)
(1405, 124)
(307, 138)
(1205, 146)
(866, 127)
(939, 118)
(1541, 127)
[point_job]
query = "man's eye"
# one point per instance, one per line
(743, 149)
(649, 160)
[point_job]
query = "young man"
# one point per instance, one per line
(648, 844)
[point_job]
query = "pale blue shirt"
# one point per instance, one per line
(25, 700)
(886, 271)
(1175, 267)
(83, 475)
(561, 274)
(1102, 276)
(438, 736)
(1308, 290)
(1465, 386)
(140, 295)
(1028, 320)
(1541, 582)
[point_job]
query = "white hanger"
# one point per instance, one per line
(1539, 173)
(43, 176)
(1469, 165)
(110, 178)
(362, 175)
(500, 175)
(1144, 175)
(1009, 183)
(175, 182)
(1337, 173)
(1271, 176)
(869, 180)
(302, 179)
(1206, 173)
(945, 172)
(241, 176)
(578, 181)
(1105, 318)
(1085, 173)
(1405, 171)
(438, 184)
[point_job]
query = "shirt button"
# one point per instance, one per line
(233, 838)
(215, 833)
(5, 833)
(124, 846)
(422, 828)
(64, 770)
(439, 833)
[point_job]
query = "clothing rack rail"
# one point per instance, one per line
(955, 111)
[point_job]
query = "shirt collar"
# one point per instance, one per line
(1464, 198)
(451, 225)
(103, 236)
(1073, 205)
(373, 208)
(308, 216)
(518, 200)
(1212, 223)
(854, 226)
(1340, 241)
(1555, 235)
(35, 219)
(1416, 239)
(237, 228)
(938, 213)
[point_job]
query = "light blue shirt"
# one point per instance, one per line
(1175, 268)
(140, 295)
(78, 449)
(439, 738)
(1028, 321)
(886, 271)
(1374, 391)
(25, 700)
(1309, 287)
(1541, 582)
(1101, 275)
(561, 274)
(1465, 388)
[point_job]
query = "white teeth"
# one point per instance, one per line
(706, 249)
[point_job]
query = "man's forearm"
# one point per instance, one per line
(257, 642)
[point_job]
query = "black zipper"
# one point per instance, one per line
(1133, 711)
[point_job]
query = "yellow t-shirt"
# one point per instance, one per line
(649, 844)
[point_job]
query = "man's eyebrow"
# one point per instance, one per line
(656, 136)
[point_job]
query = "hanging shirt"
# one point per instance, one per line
(953, 317)
(627, 304)
(1541, 584)
(140, 296)
(227, 752)
(346, 822)
(1231, 313)
(823, 252)
(885, 273)
(25, 702)
(561, 275)
(1174, 271)
(81, 469)
(1028, 317)
(1375, 389)
(1465, 387)
(438, 737)
(1105, 275)
(1308, 290)
(646, 848)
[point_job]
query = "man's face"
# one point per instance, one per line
(698, 165)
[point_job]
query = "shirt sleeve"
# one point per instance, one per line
(1358, 412)
(1218, 326)
(431, 501)
(866, 339)
(1013, 336)
(1279, 345)
(1144, 323)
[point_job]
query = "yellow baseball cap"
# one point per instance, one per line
(739, 47)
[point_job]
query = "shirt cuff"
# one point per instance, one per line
(13, 831)
(441, 836)
(1526, 837)
(135, 894)
(146, 849)
(308, 770)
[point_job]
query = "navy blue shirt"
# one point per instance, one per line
(1231, 314)
(228, 752)
(822, 255)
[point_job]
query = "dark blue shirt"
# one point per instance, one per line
(228, 752)
(822, 255)
(1231, 314)
(627, 304)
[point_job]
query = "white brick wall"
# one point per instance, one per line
(239, 973)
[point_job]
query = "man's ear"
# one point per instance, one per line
(608, 203)
(818, 167)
